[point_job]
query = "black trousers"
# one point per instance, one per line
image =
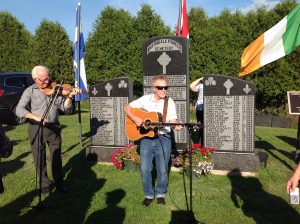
(199, 116)
(51, 137)
(1, 185)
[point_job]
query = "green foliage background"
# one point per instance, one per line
(113, 48)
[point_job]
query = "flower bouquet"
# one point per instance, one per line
(128, 153)
(201, 160)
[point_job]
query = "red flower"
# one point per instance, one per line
(203, 150)
(195, 146)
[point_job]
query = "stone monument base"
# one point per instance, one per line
(236, 162)
(100, 153)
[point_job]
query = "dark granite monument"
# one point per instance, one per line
(229, 122)
(168, 55)
(107, 101)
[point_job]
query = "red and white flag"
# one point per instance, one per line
(182, 28)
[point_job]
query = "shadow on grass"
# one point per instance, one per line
(261, 144)
(289, 140)
(69, 207)
(112, 213)
(85, 143)
(11, 166)
(247, 194)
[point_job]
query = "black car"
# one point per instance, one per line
(12, 86)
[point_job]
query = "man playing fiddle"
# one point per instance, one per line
(32, 106)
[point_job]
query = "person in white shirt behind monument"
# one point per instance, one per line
(197, 86)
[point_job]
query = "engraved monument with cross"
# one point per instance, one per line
(107, 119)
(229, 122)
(168, 55)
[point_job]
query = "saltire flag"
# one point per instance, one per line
(80, 75)
(182, 28)
(277, 42)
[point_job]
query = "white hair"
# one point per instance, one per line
(37, 68)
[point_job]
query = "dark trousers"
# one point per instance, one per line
(51, 136)
(1, 185)
(199, 116)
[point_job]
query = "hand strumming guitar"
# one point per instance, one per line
(137, 120)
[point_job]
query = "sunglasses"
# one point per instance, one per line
(162, 87)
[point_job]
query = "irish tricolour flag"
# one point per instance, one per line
(275, 43)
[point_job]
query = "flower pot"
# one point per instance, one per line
(131, 166)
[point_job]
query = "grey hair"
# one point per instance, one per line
(159, 77)
(36, 69)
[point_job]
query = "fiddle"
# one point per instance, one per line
(63, 89)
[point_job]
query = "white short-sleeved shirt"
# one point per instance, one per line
(199, 103)
(150, 104)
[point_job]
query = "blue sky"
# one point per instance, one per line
(31, 12)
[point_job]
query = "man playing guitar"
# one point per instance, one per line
(157, 147)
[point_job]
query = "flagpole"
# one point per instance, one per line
(78, 69)
(179, 18)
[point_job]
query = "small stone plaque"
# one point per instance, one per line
(107, 101)
(294, 102)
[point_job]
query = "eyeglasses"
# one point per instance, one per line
(43, 81)
(162, 87)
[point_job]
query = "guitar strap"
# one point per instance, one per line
(165, 109)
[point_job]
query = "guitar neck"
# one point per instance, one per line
(163, 124)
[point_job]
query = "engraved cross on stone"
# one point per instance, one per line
(228, 84)
(164, 60)
(108, 88)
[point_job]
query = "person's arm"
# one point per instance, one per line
(128, 110)
(21, 109)
(194, 84)
(172, 114)
(292, 183)
(69, 99)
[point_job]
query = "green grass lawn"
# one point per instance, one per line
(102, 194)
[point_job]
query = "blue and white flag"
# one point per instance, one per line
(80, 75)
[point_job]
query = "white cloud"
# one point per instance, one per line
(259, 3)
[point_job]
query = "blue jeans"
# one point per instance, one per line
(160, 149)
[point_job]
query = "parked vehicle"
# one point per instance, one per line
(12, 86)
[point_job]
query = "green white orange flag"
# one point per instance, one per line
(275, 43)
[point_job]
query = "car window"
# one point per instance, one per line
(16, 82)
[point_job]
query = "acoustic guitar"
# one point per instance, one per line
(151, 123)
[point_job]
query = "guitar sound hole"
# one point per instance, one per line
(147, 123)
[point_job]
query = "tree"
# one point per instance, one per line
(14, 44)
(114, 47)
(147, 24)
(52, 47)
(107, 46)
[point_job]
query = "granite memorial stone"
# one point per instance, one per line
(229, 122)
(107, 119)
(168, 55)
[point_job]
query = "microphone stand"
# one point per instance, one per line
(191, 215)
(41, 145)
